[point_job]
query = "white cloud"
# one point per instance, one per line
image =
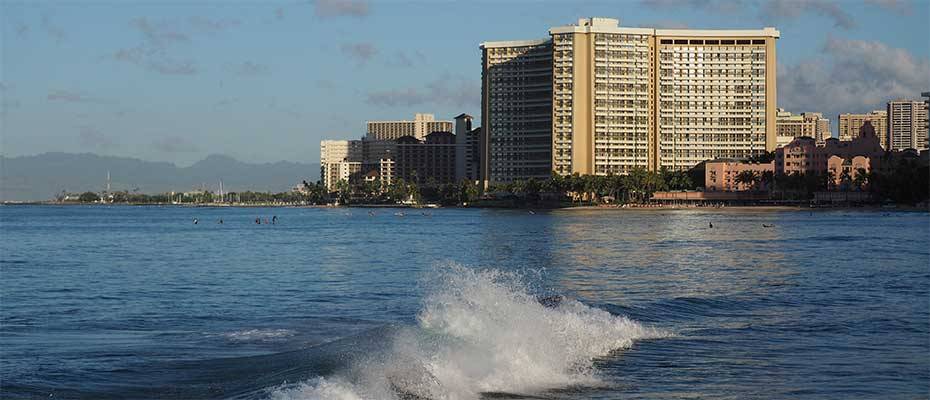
(446, 90)
(852, 76)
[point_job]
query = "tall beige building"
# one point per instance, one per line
(629, 97)
(907, 126)
(849, 125)
(789, 126)
(422, 125)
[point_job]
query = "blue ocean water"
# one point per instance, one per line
(139, 302)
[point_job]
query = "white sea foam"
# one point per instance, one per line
(258, 335)
(482, 331)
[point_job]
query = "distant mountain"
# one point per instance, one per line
(42, 176)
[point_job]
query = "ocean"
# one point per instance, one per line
(122, 302)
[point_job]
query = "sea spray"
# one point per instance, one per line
(482, 331)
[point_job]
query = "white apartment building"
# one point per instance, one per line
(907, 126)
(339, 159)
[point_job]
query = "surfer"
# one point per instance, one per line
(195, 221)
(711, 225)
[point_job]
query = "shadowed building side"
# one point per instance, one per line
(516, 110)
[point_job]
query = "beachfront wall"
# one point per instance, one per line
(688, 196)
(721, 175)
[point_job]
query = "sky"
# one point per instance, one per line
(176, 80)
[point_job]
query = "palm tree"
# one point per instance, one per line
(748, 178)
(845, 179)
(831, 180)
(343, 191)
(861, 179)
(768, 179)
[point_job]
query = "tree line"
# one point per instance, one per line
(905, 182)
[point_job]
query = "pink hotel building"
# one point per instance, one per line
(803, 155)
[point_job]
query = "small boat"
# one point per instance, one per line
(767, 225)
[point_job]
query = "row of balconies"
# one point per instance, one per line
(712, 97)
(711, 50)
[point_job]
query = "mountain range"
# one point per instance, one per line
(42, 176)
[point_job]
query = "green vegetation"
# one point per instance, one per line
(88, 197)
(400, 191)
(635, 187)
(905, 182)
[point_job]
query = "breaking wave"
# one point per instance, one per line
(481, 331)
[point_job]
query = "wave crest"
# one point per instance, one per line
(482, 331)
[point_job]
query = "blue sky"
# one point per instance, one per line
(265, 81)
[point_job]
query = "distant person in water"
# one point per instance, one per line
(274, 219)
(258, 221)
(711, 225)
(195, 221)
(266, 221)
(221, 221)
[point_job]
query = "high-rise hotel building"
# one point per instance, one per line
(907, 126)
(627, 97)
(789, 126)
(516, 110)
(850, 124)
(422, 125)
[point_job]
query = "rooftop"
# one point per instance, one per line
(612, 25)
(514, 43)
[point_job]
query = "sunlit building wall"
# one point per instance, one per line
(624, 97)
(850, 125)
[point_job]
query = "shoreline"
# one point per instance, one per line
(612, 208)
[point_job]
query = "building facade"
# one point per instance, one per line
(421, 125)
(907, 125)
(844, 171)
(721, 175)
(430, 161)
(516, 110)
(603, 81)
(804, 156)
(850, 124)
(339, 159)
(621, 98)
(467, 149)
(716, 95)
(789, 126)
